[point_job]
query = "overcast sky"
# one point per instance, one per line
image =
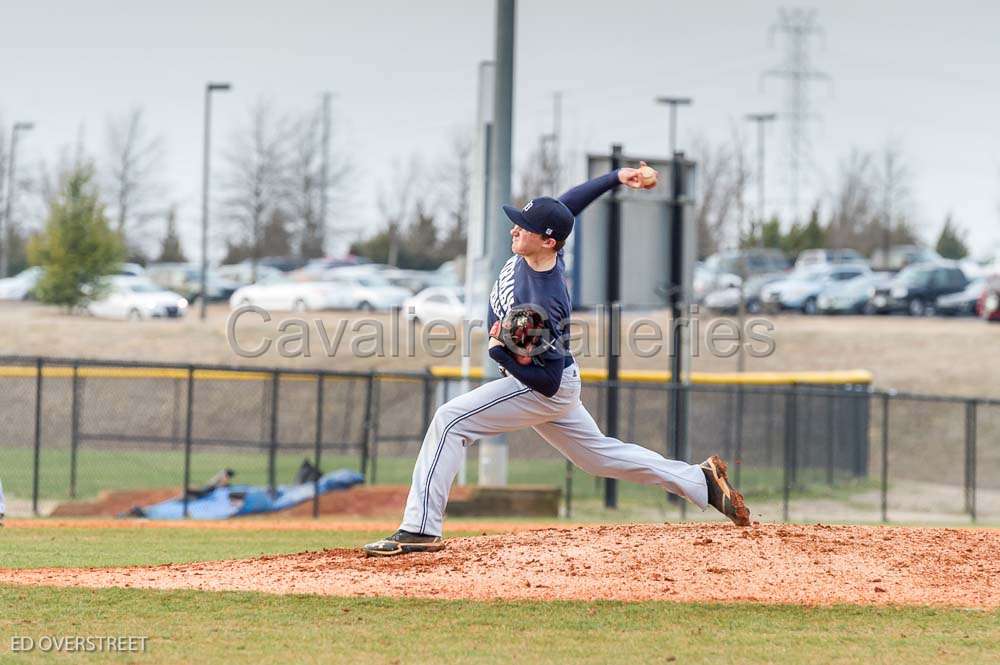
(924, 74)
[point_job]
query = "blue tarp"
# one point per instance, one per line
(235, 500)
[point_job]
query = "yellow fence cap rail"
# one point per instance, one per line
(837, 377)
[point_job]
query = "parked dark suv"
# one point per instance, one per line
(915, 289)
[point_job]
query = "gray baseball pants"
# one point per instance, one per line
(506, 405)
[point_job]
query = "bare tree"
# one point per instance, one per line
(854, 204)
(254, 183)
(134, 158)
(455, 192)
(305, 186)
(723, 175)
(893, 180)
(306, 183)
(742, 175)
(540, 173)
(396, 203)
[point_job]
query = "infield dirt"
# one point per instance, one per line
(808, 565)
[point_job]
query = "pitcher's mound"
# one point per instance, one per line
(691, 562)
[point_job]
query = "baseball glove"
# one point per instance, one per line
(522, 331)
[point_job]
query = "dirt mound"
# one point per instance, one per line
(365, 501)
(112, 503)
(362, 501)
(692, 562)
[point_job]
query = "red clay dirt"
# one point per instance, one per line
(810, 565)
(362, 500)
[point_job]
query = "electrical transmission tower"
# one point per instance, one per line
(797, 27)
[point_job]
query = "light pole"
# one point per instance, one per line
(674, 102)
(209, 89)
(761, 119)
(6, 225)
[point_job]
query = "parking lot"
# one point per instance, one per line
(933, 355)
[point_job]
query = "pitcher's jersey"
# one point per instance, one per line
(519, 284)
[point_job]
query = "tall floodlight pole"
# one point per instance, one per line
(760, 119)
(493, 451)
(209, 89)
(6, 226)
(674, 102)
(324, 177)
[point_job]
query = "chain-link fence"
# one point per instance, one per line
(72, 429)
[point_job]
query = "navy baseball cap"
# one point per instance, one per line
(543, 215)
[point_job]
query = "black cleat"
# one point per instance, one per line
(721, 495)
(404, 542)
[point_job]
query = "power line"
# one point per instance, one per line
(797, 26)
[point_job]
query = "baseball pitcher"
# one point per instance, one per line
(529, 312)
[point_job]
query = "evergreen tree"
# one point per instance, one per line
(951, 242)
(813, 235)
(375, 248)
(767, 234)
(77, 247)
(276, 240)
(800, 238)
(420, 249)
(170, 250)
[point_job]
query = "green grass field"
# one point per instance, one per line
(193, 626)
(102, 469)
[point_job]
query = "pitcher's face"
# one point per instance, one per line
(527, 243)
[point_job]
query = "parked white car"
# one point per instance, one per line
(363, 288)
(801, 289)
(242, 273)
(131, 270)
(20, 285)
(437, 303)
(280, 293)
(811, 258)
(137, 298)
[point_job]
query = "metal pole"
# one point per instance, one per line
(6, 228)
(761, 119)
(376, 410)
(324, 171)
(831, 439)
(791, 420)
(493, 451)
(885, 457)
(970, 458)
(74, 430)
(613, 328)
(175, 424)
(794, 459)
(738, 457)
(674, 102)
(569, 489)
(556, 142)
(318, 451)
(206, 172)
(366, 436)
(675, 298)
(187, 437)
(203, 290)
(38, 436)
(272, 452)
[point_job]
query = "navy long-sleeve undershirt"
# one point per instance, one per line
(543, 379)
(581, 196)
